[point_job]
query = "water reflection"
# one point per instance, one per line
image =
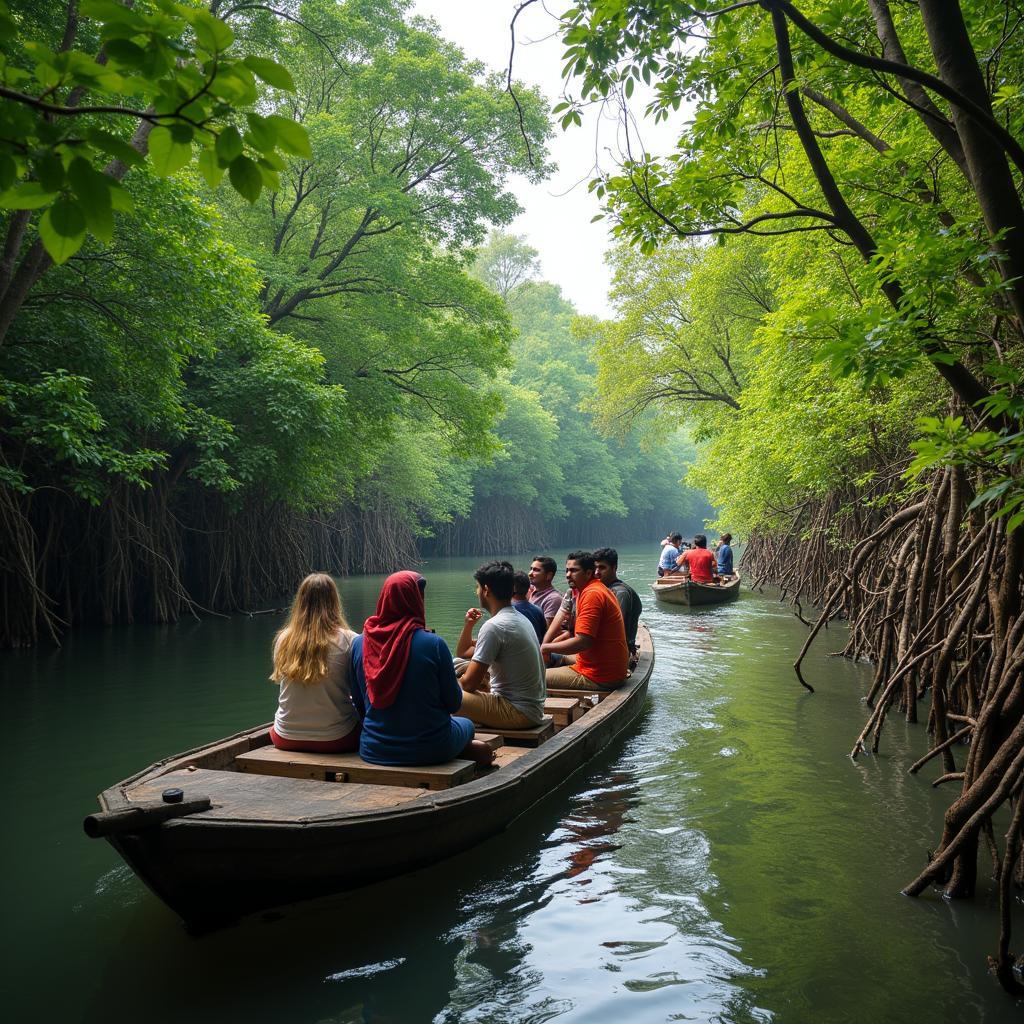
(725, 862)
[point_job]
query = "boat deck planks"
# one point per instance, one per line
(504, 756)
(242, 797)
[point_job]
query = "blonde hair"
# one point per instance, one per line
(302, 646)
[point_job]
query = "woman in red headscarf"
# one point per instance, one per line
(405, 687)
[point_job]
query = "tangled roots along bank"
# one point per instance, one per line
(933, 595)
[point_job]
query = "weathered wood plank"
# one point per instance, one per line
(586, 695)
(351, 768)
(530, 737)
(562, 710)
(243, 796)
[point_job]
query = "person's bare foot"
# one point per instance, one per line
(477, 750)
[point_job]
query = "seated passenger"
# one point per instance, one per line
(507, 646)
(669, 554)
(311, 654)
(606, 569)
(520, 588)
(405, 687)
(601, 659)
(724, 555)
(542, 593)
(698, 562)
(561, 627)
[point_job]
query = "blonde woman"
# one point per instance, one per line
(311, 659)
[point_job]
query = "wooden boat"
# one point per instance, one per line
(675, 590)
(234, 840)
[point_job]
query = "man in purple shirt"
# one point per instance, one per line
(542, 594)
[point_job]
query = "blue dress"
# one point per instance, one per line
(418, 728)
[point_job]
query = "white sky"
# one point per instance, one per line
(557, 213)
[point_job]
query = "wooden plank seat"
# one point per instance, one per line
(564, 710)
(532, 737)
(586, 695)
(351, 768)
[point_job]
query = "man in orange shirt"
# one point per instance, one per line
(597, 657)
(699, 561)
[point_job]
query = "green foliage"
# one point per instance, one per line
(882, 256)
(169, 72)
(553, 461)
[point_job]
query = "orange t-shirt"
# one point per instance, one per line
(598, 616)
(701, 562)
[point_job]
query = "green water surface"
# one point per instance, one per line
(725, 861)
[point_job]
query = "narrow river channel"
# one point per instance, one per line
(725, 861)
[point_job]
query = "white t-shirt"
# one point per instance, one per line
(320, 711)
(508, 643)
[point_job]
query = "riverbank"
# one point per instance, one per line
(727, 861)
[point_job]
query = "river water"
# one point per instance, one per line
(725, 861)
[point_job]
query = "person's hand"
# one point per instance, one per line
(545, 651)
(473, 615)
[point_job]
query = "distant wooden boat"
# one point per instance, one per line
(249, 827)
(675, 590)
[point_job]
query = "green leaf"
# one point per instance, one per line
(210, 167)
(168, 149)
(93, 191)
(8, 171)
(62, 230)
(262, 135)
(115, 147)
(50, 170)
(29, 195)
(125, 53)
(246, 178)
(229, 145)
(291, 136)
(271, 72)
(212, 34)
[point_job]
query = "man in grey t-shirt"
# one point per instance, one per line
(507, 646)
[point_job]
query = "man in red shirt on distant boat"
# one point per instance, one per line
(698, 562)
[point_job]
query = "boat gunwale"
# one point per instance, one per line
(506, 778)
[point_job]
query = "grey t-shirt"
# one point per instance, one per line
(508, 644)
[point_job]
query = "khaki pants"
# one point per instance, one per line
(494, 711)
(567, 678)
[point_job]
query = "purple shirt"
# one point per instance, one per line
(547, 600)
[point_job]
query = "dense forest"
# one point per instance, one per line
(209, 386)
(849, 356)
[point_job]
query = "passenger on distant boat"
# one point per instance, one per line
(520, 588)
(606, 569)
(698, 562)
(597, 655)
(542, 593)
(311, 656)
(723, 554)
(669, 555)
(507, 646)
(406, 691)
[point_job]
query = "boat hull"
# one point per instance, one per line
(687, 592)
(212, 869)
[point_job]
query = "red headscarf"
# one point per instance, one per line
(387, 636)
